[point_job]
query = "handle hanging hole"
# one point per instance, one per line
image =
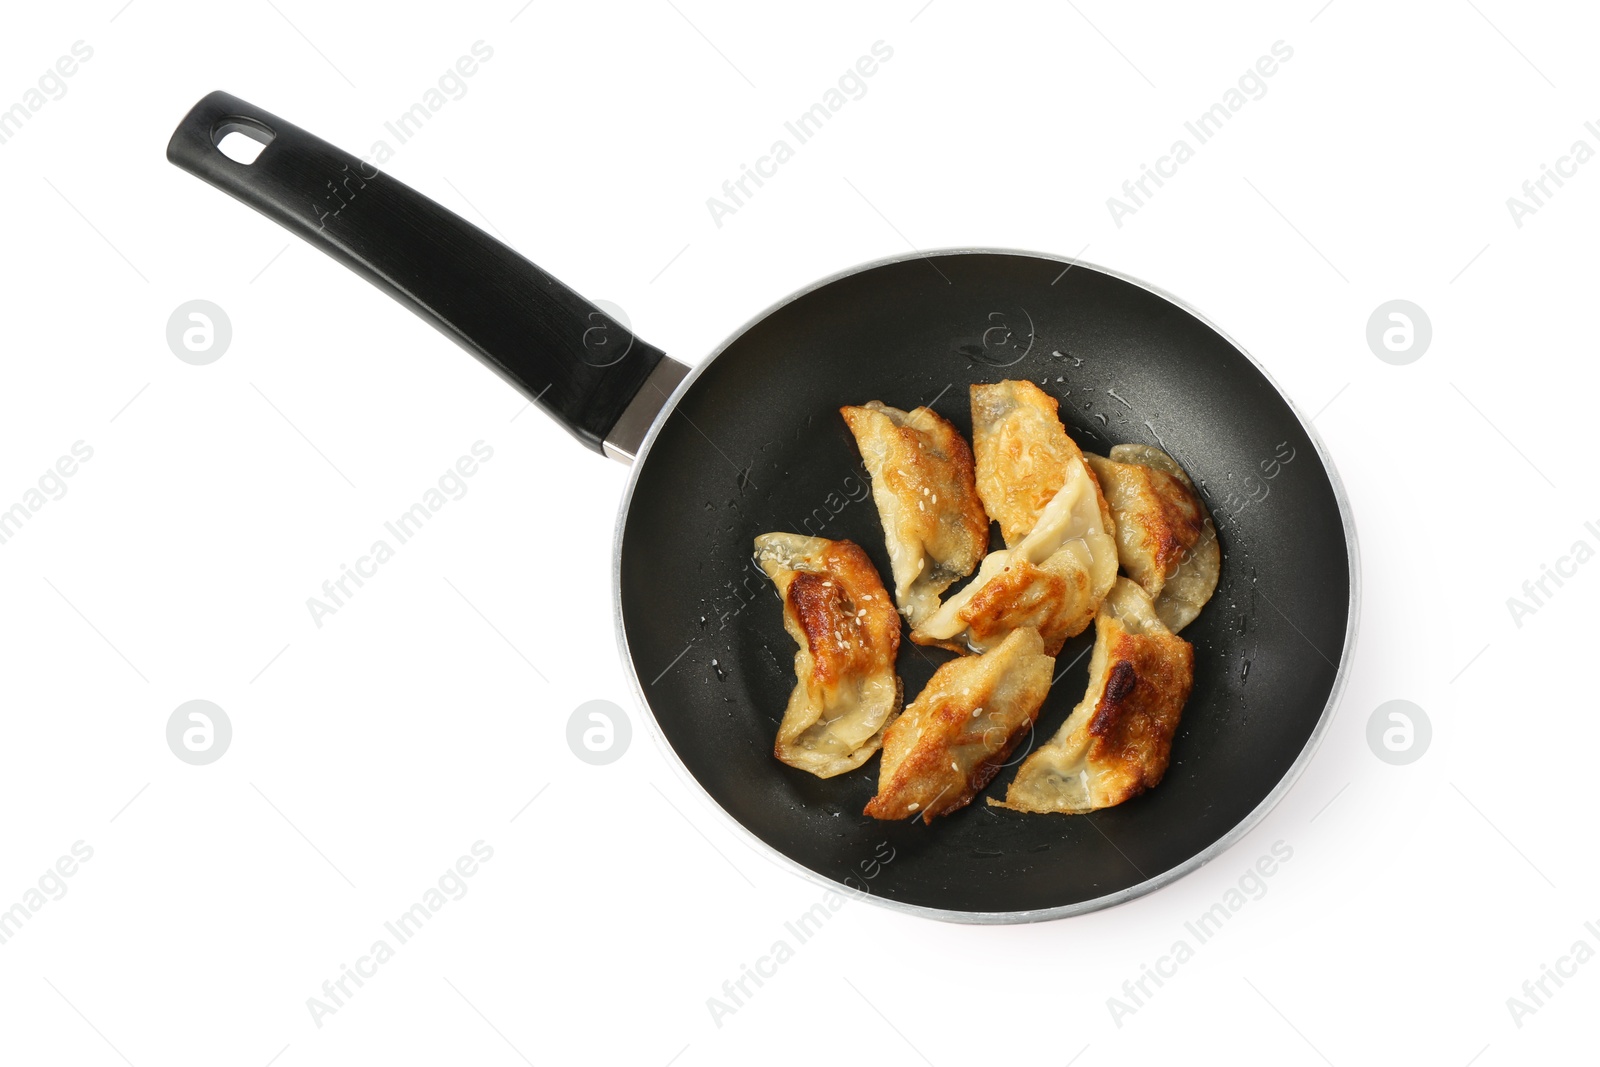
(240, 139)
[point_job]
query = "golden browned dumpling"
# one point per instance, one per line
(921, 472)
(1117, 741)
(1189, 588)
(1052, 581)
(1165, 539)
(1022, 452)
(846, 691)
(953, 738)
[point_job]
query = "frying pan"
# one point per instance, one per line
(751, 441)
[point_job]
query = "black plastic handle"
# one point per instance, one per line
(572, 359)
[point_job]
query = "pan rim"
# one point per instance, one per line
(992, 918)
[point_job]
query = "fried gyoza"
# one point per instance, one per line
(934, 524)
(1022, 452)
(1118, 740)
(953, 738)
(1165, 540)
(846, 691)
(1052, 581)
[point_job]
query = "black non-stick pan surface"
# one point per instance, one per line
(756, 444)
(753, 442)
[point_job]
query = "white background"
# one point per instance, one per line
(370, 753)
